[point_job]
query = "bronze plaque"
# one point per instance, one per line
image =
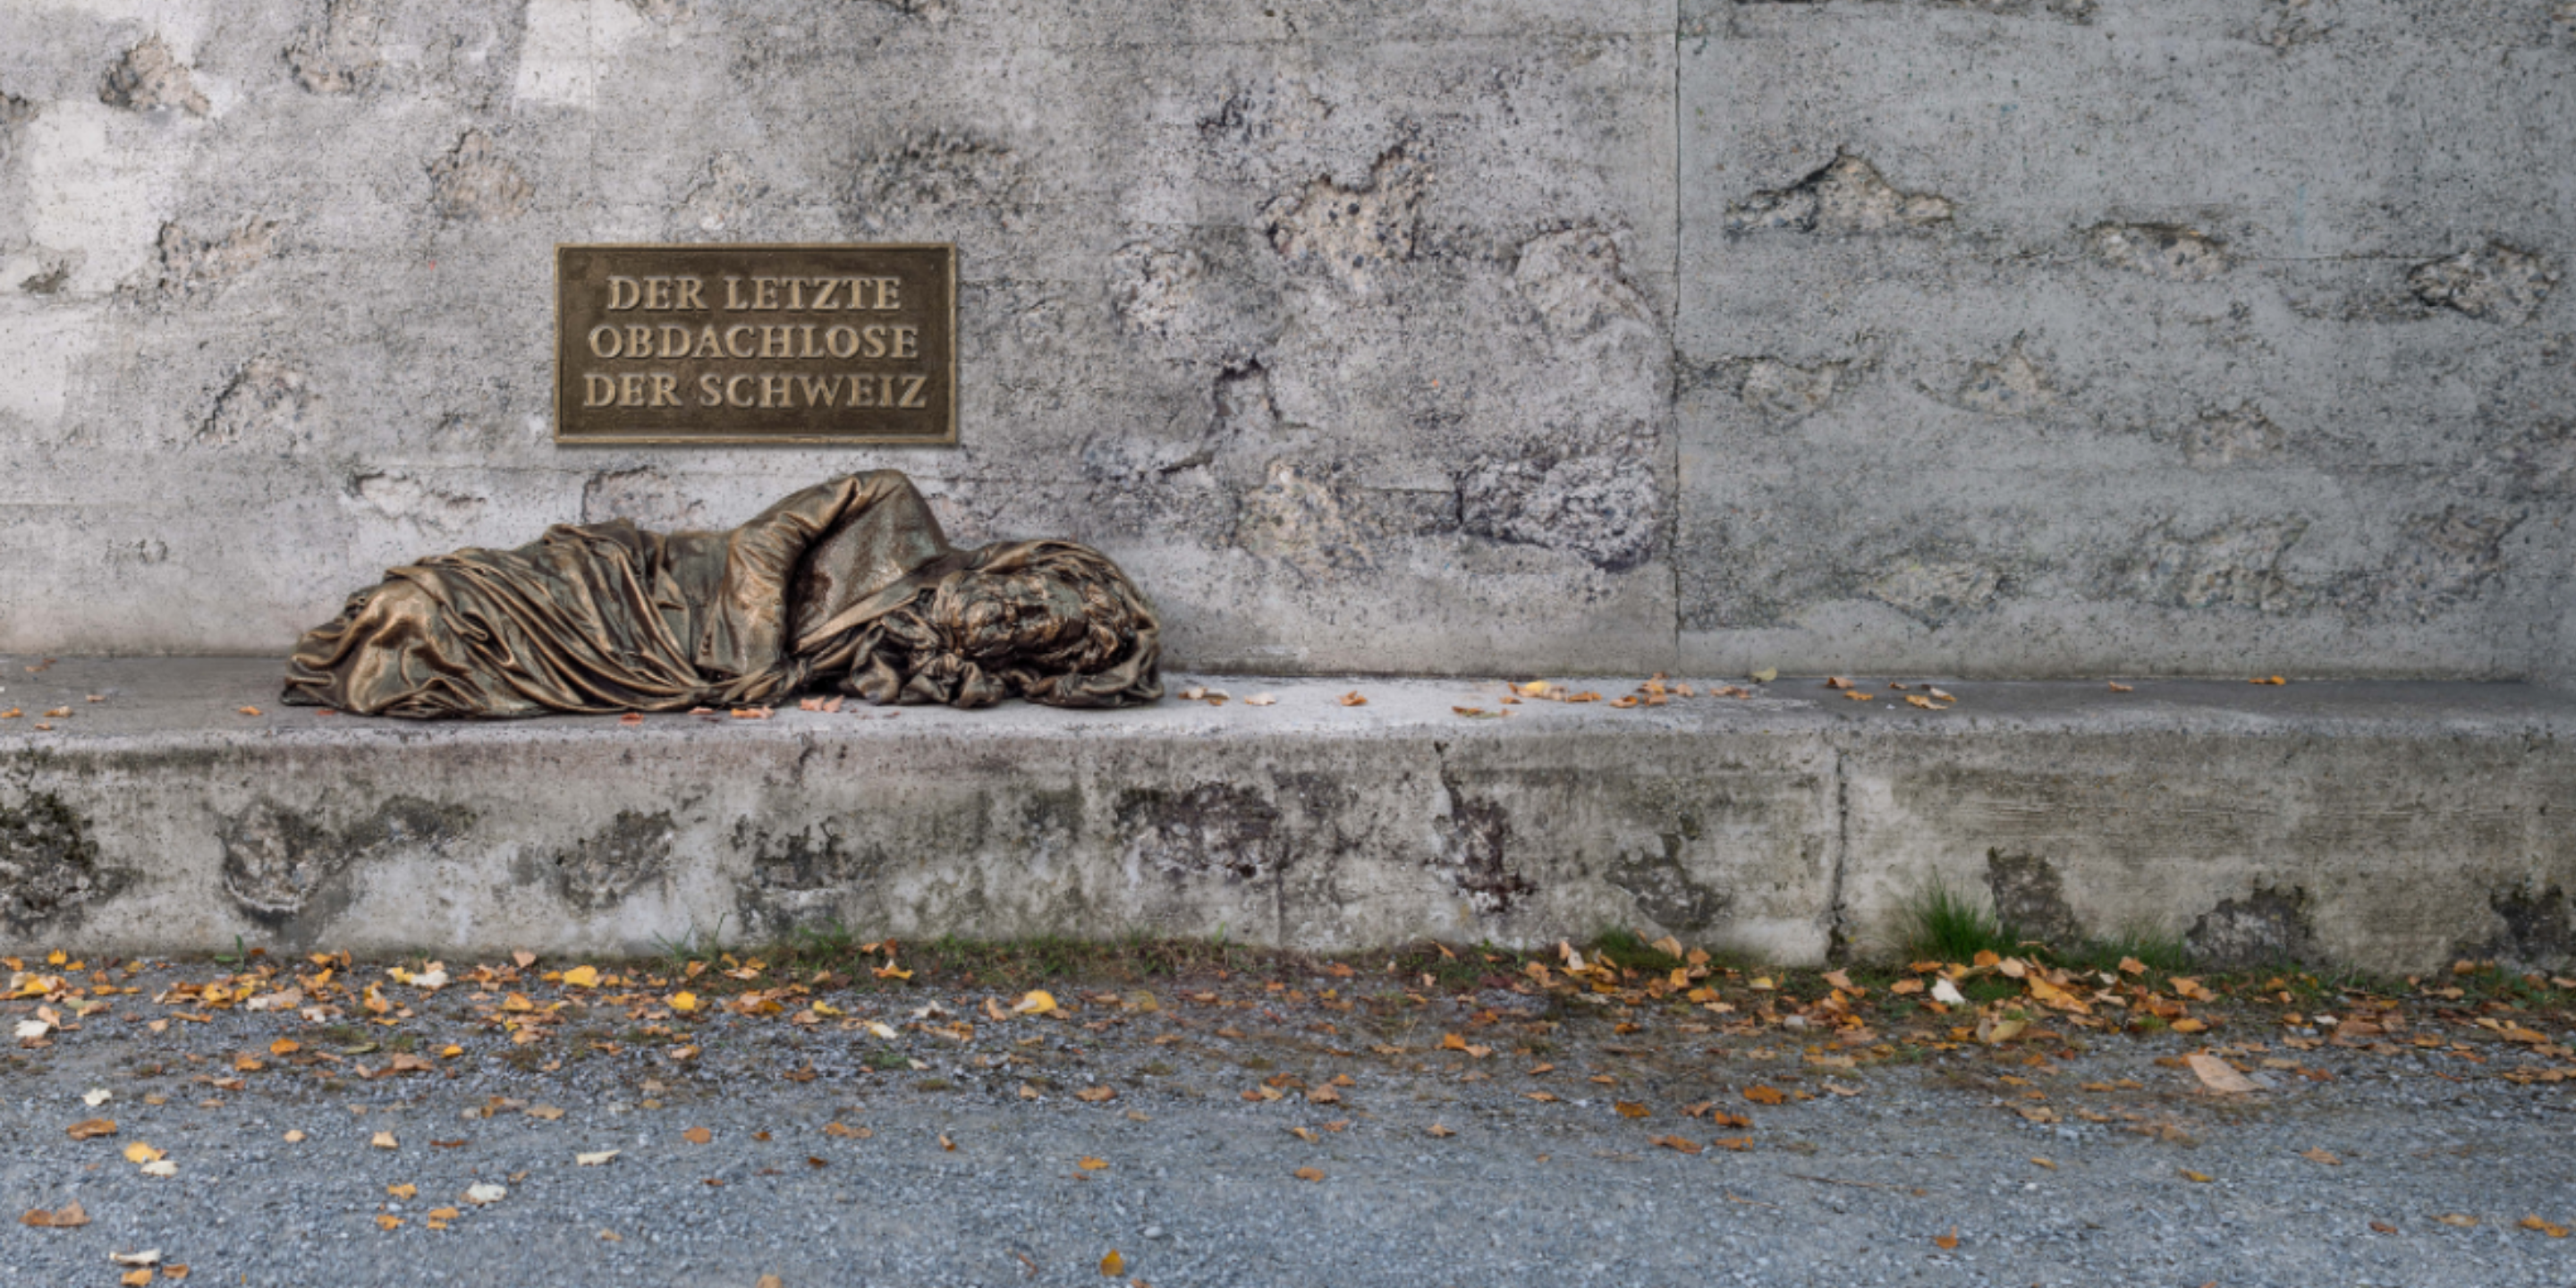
(756, 344)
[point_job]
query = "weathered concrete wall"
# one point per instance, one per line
(1342, 326)
(2084, 336)
(2394, 826)
(1980, 336)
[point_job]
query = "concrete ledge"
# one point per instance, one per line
(2382, 825)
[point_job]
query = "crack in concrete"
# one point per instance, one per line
(1837, 938)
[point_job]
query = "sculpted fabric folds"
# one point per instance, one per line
(848, 585)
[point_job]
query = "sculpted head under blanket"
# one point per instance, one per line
(847, 585)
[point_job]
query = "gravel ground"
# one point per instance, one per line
(1265, 1128)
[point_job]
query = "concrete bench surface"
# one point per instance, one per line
(2388, 825)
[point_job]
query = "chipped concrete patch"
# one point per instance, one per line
(1785, 393)
(2448, 557)
(1846, 197)
(941, 174)
(1575, 280)
(475, 182)
(1299, 521)
(1355, 230)
(2168, 251)
(2014, 384)
(2494, 283)
(2231, 436)
(266, 404)
(2030, 898)
(1604, 505)
(725, 194)
(149, 77)
(1160, 292)
(2234, 565)
(190, 263)
(2267, 927)
(339, 55)
(1937, 594)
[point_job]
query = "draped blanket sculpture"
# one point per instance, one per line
(847, 585)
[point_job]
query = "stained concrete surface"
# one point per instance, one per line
(2386, 825)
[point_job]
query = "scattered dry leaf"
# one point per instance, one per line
(384, 1140)
(1310, 1173)
(1113, 1265)
(599, 1159)
(1947, 1242)
(89, 1128)
(697, 1135)
(1352, 699)
(68, 1216)
(2218, 1075)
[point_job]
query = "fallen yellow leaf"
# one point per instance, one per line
(68, 1216)
(2202, 1178)
(87, 1128)
(404, 1191)
(138, 1152)
(1310, 1173)
(582, 977)
(684, 1002)
(1949, 1241)
(1092, 1164)
(384, 1140)
(2533, 1222)
(697, 1135)
(1113, 1265)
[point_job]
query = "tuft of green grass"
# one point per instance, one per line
(1624, 949)
(2158, 952)
(693, 944)
(1942, 924)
